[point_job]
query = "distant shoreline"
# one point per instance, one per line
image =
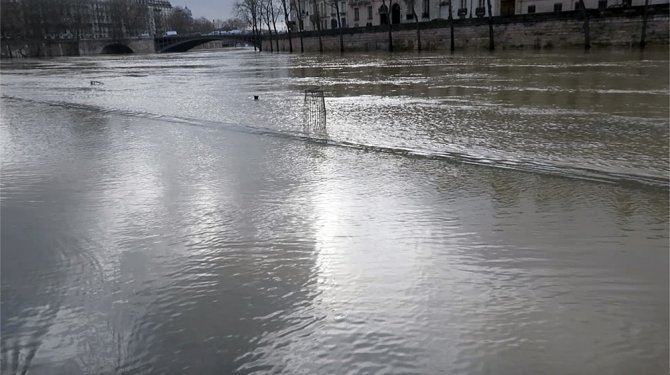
(609, 28)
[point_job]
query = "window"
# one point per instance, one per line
(426, 9)
(602, 4)
(578, 5)
(558, 7)
(531, 9)
(480, 4)
(370, 12)
(464, 4)
(355, 14)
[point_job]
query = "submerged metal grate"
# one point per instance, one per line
(315, 112)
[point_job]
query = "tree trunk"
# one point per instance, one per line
(318, 25)
(492, 45)
(288, 29)
(587, 31)
(388, 19)
(266, 16)
(451, 28)
(643, 42)
(258, 38)
(274, 24)
(418, 29)
(300, 24)
(302, 46)
(339, 24)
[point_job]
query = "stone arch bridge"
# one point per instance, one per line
(177, 43)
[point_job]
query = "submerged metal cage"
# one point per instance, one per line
(315, 112)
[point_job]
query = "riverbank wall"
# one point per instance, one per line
(18, 49)
(615, 27)
(57, 48)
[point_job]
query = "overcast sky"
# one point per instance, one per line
(210, 9)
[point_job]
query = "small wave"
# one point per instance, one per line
(531, 166)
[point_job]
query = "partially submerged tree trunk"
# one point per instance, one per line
(645, 15)
(339, 25)
(288, 28)
(317, 19)
(273, 15)
(265, 17)
(300, 24)
(492, 45)
(416, 22)
(267, 22)
(587, 31)
(388, 20)
(451, 28)
(250, 10)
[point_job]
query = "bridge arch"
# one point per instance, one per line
(116, 49)
(185, 43)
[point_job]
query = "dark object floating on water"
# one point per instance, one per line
(255, 97)
(96, 83)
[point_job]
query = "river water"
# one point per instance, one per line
(482, 213)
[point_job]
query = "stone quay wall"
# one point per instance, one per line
(58, 48)
(618, 27)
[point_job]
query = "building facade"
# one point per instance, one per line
(322, 14)
(159, 11)
(83, 19)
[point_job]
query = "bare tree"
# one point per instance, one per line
(492, 45)
(41, 21)
(129, 18)
(12, 22)
(39, 18)
(12, 26)
(180, 20)
(231, 24)
(317, 20)
(301, 24)
(411, 6)
(249, 10)
(335, 5)
(203, 25)
(274, 14)
(645, 15)
(265, 17)
(587, 31)
(388, 21)
(451, 27)
(285, 8)
(80, 18)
